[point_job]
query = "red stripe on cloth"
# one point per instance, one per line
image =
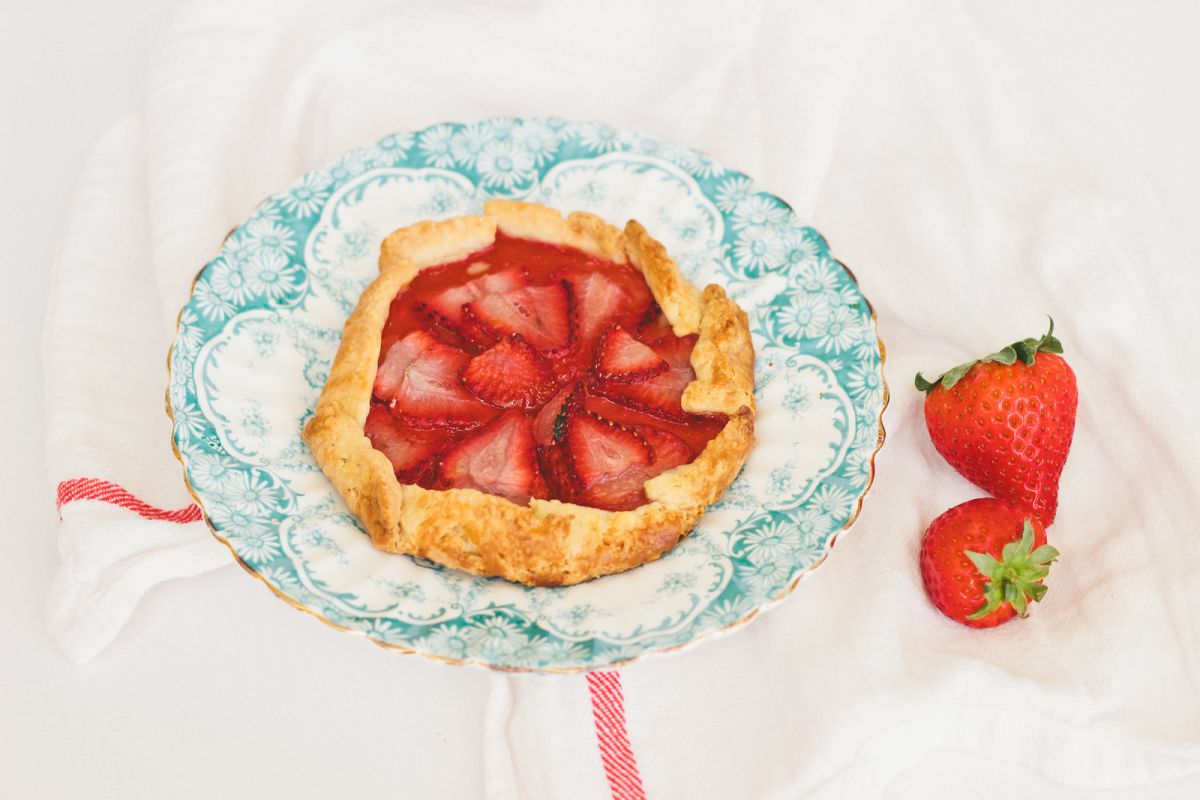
(608, 713)
(108, 492)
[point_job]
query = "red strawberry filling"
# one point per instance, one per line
(530, 370)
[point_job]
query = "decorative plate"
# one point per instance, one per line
(257, 335)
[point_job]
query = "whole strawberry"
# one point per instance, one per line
(1005, 422)
(983, 561)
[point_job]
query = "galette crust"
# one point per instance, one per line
(548, 542)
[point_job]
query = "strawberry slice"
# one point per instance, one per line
(669, 450)
(447, 306)
(598, 299)
(607, 461)
(510, 374)
(696, 430)
(408, 448)
(627, 489)
(421, 378)
(623, 359)
(660, 394)
(677, 352)
(544, 422)
(541, 314)
(499, 458)
(609, 464)
(390, 373)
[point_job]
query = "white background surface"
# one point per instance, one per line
(166, 710)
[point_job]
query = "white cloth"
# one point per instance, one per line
(105, 373)
(967, 204)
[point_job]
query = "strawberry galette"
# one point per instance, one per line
(540, 398)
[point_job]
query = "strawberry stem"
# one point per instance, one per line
(1024, 351)
(1016, 578)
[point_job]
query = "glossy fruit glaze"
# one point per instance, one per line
(531, 370)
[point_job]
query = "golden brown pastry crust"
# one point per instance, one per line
(548, 542)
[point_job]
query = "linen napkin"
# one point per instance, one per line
(968, 206)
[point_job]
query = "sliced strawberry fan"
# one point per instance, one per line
(564, 386)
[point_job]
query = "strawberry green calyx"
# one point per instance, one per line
(1024, 351)
(1016, 578)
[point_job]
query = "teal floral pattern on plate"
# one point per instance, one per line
(263, 323)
